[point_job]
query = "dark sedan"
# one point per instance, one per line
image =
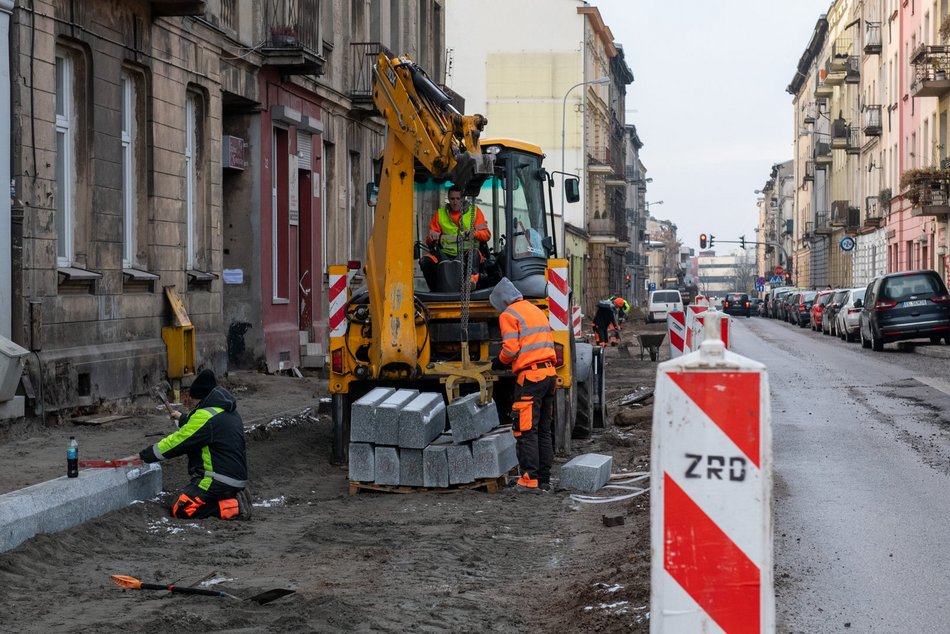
(737, 304)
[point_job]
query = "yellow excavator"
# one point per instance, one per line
(396, 331)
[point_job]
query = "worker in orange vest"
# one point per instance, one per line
(528, 346)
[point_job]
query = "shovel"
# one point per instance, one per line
(131, 583)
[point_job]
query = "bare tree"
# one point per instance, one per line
(744, 272)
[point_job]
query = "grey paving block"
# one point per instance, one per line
(411, 468)
(62, 503)
(435, 466)
(387, 416)
(468, 419)
(362, 462)
(461, 463)
(494, 454)
(363, 414)
(586, 473)
(421, 420)
(387, 465)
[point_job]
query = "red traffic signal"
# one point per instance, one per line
(702, 241)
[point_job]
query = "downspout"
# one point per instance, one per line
(6, 241)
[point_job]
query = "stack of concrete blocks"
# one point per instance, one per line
(586, 473)
(396, 438)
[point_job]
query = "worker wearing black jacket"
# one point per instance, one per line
(212, 436)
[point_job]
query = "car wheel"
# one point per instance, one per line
(876, 344)
(935, 339)
(864, 342)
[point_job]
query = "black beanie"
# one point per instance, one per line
(202, 385)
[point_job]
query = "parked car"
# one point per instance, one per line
(848, 317)
(758, 307)
(737, 304)
(818, 307)
(662, 302)
(800, 308)
(905, 305)
(831, 311)
(783, 301)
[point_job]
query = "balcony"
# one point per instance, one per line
(824, 90)
(610, 225)
(363, 58)
(839, 213)
(840, 53)
(930, 71)
(605, 159)
(854, 140)
(294, 44)
(872, 38)
(822, 155)
(926, 189)
(168, 8)
(932, 202)
(872, 121)
(822, 224)
(808, 231)
(809, 175)
(840, 134)
(853, 72)
(873, 216)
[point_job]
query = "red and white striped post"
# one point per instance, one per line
(711, 525)
(338, 296)
(558, 305)
(693, 311)
(578, 322)
(676, 323)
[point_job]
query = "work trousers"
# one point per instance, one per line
(532, 415)
(193, 503)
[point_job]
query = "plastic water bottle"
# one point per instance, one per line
(72, 458)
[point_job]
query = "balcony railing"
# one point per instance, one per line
(839, 213)
(872, 120)
(294, 42)
(840, 52)
(854, 140)
(363, 57)
(822, 155)
(932, 202)
(930, 71)
(872, 38)
(606, 156)
(809, 230)
(853, 70)
(809, 175)
(873, 216)
(822, 223)
(840, 134)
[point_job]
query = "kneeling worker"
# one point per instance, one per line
(211, 434)
(528, 345)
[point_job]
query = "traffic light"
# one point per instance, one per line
(712, 240)
(627, 278)
(702, 241)
(742, 242)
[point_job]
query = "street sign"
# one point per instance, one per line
(760, 281)
(651, 287)
(759, 287)
(847, 243)
(777, 279)
(779, 270)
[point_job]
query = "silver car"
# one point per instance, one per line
(848, 317)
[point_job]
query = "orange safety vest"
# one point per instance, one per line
(527, 342)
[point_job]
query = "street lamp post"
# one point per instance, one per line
(599, 80)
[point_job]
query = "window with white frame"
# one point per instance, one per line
(65, 207)
(129, 193)
(191, 177)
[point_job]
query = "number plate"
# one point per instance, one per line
(916, 302)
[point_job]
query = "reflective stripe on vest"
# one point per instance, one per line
(448, 242)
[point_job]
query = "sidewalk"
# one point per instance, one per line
(935, 350)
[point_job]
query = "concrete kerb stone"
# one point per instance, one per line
(494, 454)
(421, 420)
(363, 414)
(586, 473)
(469, 419)
(362, 465)
(435, 466)
(56, 505)
(411, 468)
(387, 465)
(388, 414)
(461, 463)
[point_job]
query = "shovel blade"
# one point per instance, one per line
(270, 595)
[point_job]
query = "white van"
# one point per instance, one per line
(661, 303)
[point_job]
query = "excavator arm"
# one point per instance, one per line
(422, 126)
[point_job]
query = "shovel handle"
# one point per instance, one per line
(183, 590)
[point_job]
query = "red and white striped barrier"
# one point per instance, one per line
(578, 320)
(338, 296)
(697, 330)
(676, 324)
(693, 311)
(710, 497)
(558, 306)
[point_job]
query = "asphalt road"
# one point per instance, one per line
(861, 444)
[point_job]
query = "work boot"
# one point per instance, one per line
(245, 509)
(544, 486)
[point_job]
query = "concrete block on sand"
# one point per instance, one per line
(469, 419)
(387, 465)
(62, 503)
(494, 454)
(387, 416)
(363, 414)
(411, 467)
(586, 473)
(435, 467)
(421, 420)
(461, 463)
(362, 462)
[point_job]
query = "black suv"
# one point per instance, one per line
(906, 305)
(737, 304)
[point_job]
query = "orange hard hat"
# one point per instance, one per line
(619, 302)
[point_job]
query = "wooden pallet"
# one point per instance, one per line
(491, 485)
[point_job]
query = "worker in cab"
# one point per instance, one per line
(528, 347)
(454, 233)
(211, 434)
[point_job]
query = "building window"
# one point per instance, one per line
(65, 120)
(129, 207)
(196, 200)
(280, 227)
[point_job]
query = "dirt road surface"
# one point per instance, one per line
(463, 561)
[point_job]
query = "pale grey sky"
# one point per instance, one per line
(709, 102)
